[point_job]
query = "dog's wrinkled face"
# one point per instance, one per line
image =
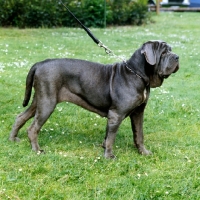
(164, 62)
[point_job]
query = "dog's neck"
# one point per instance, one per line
(137, 63)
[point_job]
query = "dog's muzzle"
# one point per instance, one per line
(176, 68)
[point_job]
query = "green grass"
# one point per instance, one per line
(73, 166)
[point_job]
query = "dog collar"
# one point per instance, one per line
(132, 71)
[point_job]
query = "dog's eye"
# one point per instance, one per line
(163, 53)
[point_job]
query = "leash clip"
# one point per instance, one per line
(107, 50)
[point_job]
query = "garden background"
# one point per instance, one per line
(73, 166)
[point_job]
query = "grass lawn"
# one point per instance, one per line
(73, 166)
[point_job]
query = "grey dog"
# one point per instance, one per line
(115, 91)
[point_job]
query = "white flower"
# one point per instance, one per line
(139, 175)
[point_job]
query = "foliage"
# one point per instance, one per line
(129, 12)
(35, 13)
(73, 166)
(138, 12)
(50, 13)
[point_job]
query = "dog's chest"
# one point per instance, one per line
(144, 95)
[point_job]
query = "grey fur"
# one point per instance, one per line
(112, 91)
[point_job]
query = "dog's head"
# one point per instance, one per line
(163, 62)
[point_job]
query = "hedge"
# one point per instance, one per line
(51, 13)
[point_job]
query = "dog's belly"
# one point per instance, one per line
(66, 95)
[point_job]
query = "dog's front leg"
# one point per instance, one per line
(114, 121)
(137, 128)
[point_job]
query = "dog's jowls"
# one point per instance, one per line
(115, 91)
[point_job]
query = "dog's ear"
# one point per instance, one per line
(148, 50)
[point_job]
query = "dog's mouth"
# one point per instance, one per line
(165, 76)
(176, 69)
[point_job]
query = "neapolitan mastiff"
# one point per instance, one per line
(115, 91)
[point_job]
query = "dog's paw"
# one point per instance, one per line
(109, 156)
(40, 152)
(145, 152)
(14, 139)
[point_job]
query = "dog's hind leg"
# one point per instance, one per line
(21, 120)
(45, 107)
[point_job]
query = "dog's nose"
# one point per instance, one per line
(176, 58)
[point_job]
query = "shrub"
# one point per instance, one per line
(34, 13)
(94, 13)
(138, 12)
(49, 13)
(133, 12)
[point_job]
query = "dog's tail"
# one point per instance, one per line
(29, 85)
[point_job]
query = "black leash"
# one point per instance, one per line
(98, 42)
